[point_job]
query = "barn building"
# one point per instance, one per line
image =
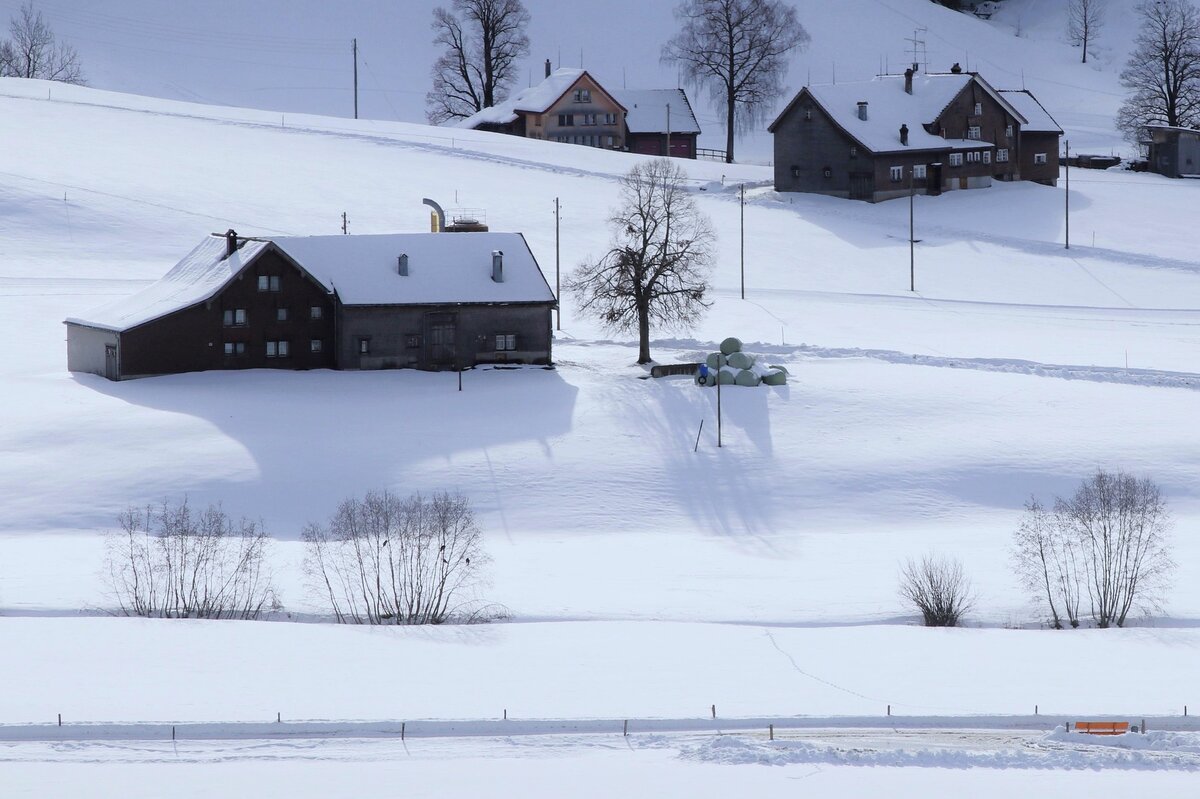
(424, 300)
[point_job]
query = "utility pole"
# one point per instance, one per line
(354, 49)
(345, 225)
(1067, 162)
(743, 206)
(668, 153)
(719, 402)
(912, 242)
(557, 278)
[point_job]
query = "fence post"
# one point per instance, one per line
(1143, 726)
(889, 710)
(172, 732)
(714, 711)
(60, 716)
(771, 730)
(1035, 709)
(506, 714)
(402, 731)
(625, 729)
(278, 717)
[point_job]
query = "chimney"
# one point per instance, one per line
(547, 67)
(402, 265)
(904, 135)
(862, 109)
(957, 68)
(908, 76)
(498, 266)
(230, 242)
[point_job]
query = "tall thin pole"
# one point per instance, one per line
(557, 278)
(354, 49)
(1067, 161)
(668, 153)
(912, 239)
(719, 403)
(743, 207)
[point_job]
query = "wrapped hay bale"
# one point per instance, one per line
(715, 360)
(741, 360)
(780, 368)
(730, 346)
(775, 377)
(727, 376)
(747, 378)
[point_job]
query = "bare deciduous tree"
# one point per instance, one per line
(937, 588)
(34, 52)
(736, 50)
(656, 273)
(1108, 542)
(483, 40)
(1049, 564)
(387, 560)
(172, 563)
(1163, 70)
(1085, 18)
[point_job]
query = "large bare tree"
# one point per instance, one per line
(482, 42)
(656, 272)
(1163, 71)
(1085, 18)
(32, 51)
(1107, 545)
(737, 51)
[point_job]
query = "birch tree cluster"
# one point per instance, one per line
(1099, 554)
(384, 559)
(169, 561)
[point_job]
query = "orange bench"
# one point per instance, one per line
(1102, 727)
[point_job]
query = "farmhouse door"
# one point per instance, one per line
(862, 185)
(440, 334)
(110, 362)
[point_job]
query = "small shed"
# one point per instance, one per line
(1173, 151)
(654, 115)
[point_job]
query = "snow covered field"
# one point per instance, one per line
(645, 580)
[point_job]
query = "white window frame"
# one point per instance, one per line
(1002, 155)
(583, 95)
(506, 342)
(315, 345)
(920, 172)
(956, 159)
(1008, 132)
(1039, 159)
(897, 174)
(978, 110)
(268, 283)
(973, 157)
(987, 156)
(234, 317)
(975, 132)
(235, 348)
(316, 312)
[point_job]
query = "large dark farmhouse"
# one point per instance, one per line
(424, 300)
(928, 133)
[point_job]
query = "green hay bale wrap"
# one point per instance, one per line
(726, 377)
(731, 345)
(741, 360)
(780, 368)
(747, 378)
(715, 360)
(776, 378)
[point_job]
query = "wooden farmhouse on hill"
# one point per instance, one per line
(424, 300)
(570, 106)
(928, 133)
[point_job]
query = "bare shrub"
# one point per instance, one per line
(1109, 542)
(169, 562)
(937, 588)
(387, 560)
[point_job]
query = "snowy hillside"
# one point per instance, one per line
(648, 575)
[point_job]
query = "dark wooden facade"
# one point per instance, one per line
(683, 145)
(1173, 151)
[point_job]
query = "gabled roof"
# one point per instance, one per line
(646, 110)
(444, 268)
(889, 107)
(198, 277)
(1037, 118)
(534, 100)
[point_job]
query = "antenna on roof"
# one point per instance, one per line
(920, 53)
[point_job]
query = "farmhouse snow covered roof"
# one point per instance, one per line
(1038, 119)
(443, 268)
(647, 110)
(198, 277)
